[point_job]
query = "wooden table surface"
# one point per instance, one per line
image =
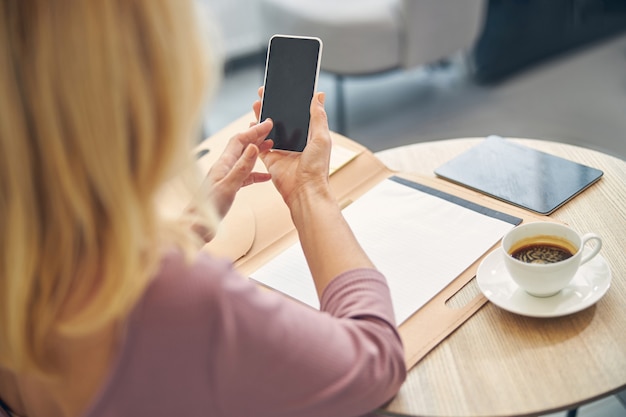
(502, 364)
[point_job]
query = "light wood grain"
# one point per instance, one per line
(502, 364)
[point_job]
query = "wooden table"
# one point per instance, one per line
(502, 364)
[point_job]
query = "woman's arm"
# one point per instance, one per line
(276, 357)
(302, 179)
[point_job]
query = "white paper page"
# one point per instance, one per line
(418, 241)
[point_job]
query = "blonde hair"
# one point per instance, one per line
(99, 103)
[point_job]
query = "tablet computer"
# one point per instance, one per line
(519, 175)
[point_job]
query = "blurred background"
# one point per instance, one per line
(518, 68)
(398, 72)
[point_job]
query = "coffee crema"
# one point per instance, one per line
(542, 250)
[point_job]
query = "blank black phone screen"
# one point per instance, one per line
(290, 78)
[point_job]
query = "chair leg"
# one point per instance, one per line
(341, 104)
(572, 412)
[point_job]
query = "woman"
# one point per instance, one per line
(106, 306)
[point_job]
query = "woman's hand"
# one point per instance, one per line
(302, 179)
(233, 169)
(293, 171)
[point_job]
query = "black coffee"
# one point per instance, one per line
(541, 253)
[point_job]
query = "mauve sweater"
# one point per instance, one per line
(205, 341)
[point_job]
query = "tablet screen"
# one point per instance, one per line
(516, 174)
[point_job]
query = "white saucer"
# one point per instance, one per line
(589, 284)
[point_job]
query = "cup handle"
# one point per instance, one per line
(594, 251)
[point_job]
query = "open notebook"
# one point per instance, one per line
(419, 237)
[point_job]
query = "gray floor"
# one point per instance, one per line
(579, 98)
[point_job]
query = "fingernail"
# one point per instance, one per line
(321, 97)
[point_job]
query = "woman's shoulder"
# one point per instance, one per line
(185, 282)
(185, 294)
(180, 271)
(168, 336)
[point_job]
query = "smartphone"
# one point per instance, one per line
(291, 73)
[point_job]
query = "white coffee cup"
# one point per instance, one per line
(541, 242)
